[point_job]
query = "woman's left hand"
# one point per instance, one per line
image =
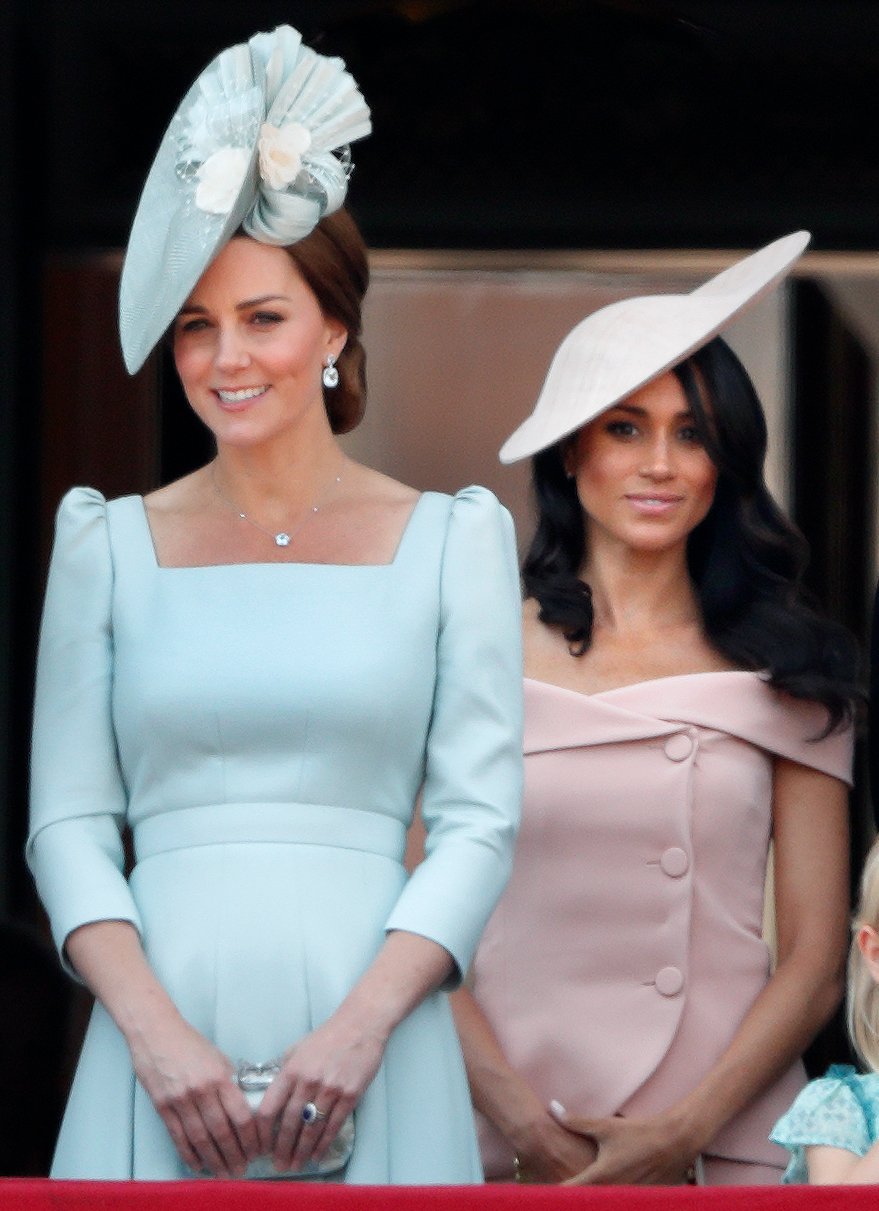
(331, 1068)
(632, 1152)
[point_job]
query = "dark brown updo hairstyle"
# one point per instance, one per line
(334, 263)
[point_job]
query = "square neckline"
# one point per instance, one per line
(254, 563)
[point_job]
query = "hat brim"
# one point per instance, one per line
(172, 242)
(622, 347)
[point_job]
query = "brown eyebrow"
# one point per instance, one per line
(197, 309)
(265, 298)
(634, 410)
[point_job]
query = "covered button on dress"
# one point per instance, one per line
(264, 731)
(627, 947)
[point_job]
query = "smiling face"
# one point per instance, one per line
(644, 478)
(250, 344)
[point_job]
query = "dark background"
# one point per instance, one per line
(515, 125)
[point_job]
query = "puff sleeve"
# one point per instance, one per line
(832, 1112)
(472, 793)
(78, 800)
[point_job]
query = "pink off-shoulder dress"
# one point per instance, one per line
(628, 945)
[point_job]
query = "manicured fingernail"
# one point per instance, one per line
(557, 1108)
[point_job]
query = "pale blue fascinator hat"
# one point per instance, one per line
(260, 142)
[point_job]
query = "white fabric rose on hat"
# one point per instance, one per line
(281, 149)
(220, 179)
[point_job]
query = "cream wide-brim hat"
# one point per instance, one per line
(622, 347)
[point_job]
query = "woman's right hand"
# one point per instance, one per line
(189, 1081)
(548, 1152)
(545, 1149)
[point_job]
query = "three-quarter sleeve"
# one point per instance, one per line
(472, 793)
(78, 799)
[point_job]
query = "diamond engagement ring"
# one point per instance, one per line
(311, 1114)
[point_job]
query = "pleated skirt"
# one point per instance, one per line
(257, 943)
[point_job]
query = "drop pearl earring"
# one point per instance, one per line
(330, 374)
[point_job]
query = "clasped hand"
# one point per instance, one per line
(330, 1069)
(630, 1152)
(190, 1082)
(549, 1152)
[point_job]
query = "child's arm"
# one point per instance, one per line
(839, 1167)
(828, 1131)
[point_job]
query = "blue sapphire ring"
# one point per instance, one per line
(311, 1114)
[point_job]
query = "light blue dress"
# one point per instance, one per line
(264, 731)
(838, 1110)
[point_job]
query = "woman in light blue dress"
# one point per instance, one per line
(257, 670)
(832, 1128)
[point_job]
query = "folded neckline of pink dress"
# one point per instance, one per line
(746, 675)
(737, 702)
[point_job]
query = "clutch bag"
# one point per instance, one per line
(253, 1080)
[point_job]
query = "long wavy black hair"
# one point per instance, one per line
(746, 558)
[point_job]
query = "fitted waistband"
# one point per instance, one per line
(281, 823)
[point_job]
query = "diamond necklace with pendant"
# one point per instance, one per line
(282, 538)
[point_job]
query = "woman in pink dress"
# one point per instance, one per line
(685, 705)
